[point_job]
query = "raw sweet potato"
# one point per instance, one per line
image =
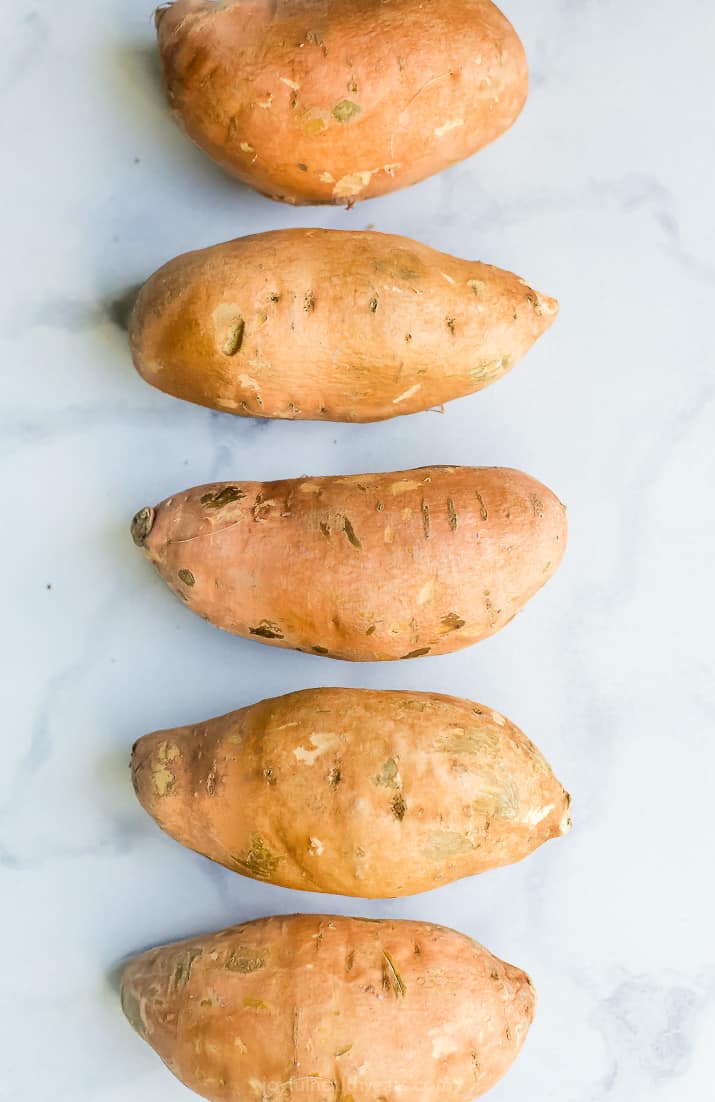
(366, 567)
(331, 325)
(331, 1008)
(331, 101)
(353, 791)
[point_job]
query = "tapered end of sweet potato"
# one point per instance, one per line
(565, 822)
(157, 770)
(167, 17)
(131, 997)
(525, 998)
(548, 308)
(142, 523)
(148, 992)
(159, 14)
(163, 767)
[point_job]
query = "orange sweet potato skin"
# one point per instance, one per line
(365, 567)
(353, 791)
(333, 101)
(331, 1008)
(330, 325)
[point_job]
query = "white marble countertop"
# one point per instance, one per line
(601, 195)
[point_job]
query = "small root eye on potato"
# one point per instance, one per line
(331, 325)
(363, 567)
(338, 101)
(312, 1005)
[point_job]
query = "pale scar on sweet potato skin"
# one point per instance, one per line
(330, 1007)
(331, 325)
(353, 791)
(364, 567)
(338, 101)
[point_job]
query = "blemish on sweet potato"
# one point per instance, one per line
(309, 302)
(391, 978)
(374, 303)
(417, 653)
(447, 843)
(451, 622)
(345, 110)
(482, 507)
(234, 338)
(411, 390)
(246, 960)
(223, 497)
(350, 533)
(320, 650)
(425, 519)
(258, 860)
(187, 577)
(261, 509)
(537, 505)
(182, 972)
(162, 774)
(399, 807)
(452, 514)
(467, 740)
(389, 772)
(349, 187)
(500, 799)
(267, 630)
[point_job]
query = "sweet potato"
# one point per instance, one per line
(331, 101)
(330, 325)
(366, 567)
(353, 791)
(331, 1008)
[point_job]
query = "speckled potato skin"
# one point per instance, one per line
(363, 567)
(353, 791)
(333, 101)
(332, 1008)
(330, 325)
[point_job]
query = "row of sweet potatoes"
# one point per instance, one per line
(356, 792)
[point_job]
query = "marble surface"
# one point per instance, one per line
(601, 195)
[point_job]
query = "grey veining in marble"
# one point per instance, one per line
(601, 195)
